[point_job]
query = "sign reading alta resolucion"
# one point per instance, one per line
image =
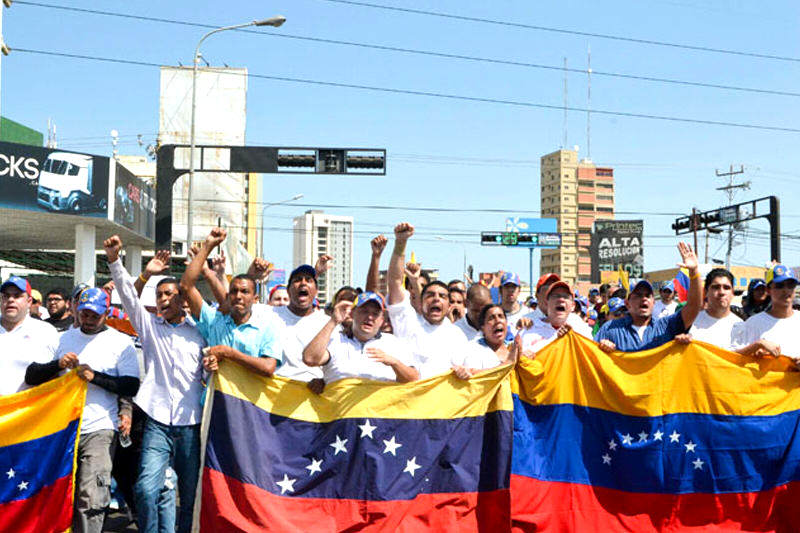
(617, 243)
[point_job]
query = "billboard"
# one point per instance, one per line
(52, 180)
(134, 203)
(220, 119)
(617, 243)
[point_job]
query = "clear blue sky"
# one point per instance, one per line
(659, 166)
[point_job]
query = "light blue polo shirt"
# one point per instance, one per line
(256, 340)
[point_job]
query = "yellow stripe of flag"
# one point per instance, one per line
(440, 397)
(698, 378)
(42, 410)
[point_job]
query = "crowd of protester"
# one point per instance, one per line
(141, 420)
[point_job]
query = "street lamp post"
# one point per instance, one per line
(275, 22)
(267, 206)
(440, 238)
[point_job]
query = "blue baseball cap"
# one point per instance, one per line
(303, 269)
(94, 299)
(756, 283)
(668, 286)
(779, 273)
(591, 314)
(510, 277)
(79, 288)
(18, 282)
(365, 297)
(640, 283)
(615, 304)
(594, 292)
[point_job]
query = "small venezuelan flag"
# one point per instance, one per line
(38, 440)
(670, 439)
(433, 455)
(682, 285)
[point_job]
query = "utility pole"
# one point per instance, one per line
(730, 190)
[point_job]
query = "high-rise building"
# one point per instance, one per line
(317, 233)
(576, 193)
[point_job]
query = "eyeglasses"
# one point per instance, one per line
(55, 299)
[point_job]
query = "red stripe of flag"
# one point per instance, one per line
(48, 510)
(229, 505)
(554, 506)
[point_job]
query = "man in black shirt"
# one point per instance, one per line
(57, 303)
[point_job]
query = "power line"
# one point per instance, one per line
(432, 53)
(635, 40)
(445, 96)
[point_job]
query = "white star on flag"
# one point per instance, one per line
(391, 446)
(658, 434)
(10, 473)
(606, 459)
(338, 445)
(315, 466)
(627, 439)
(286, 484)
(698, 464)
(690, 447)
(411, 466)
(643, 437)
(675, 437)
(366, 429)
(612, 445)
(23, 485)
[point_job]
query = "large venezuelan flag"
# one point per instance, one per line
(38, 440)
(670, 439)
(364, 456)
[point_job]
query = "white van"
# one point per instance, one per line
(66, 183)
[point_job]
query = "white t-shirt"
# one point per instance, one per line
(716, 331)
(479, 356)
(109, 352)
(33, 341)
(542, 333)
(436, 347)
(513, 318)
(295, 333)
(348, 357)
(661, 310)
(782, 331)
(469, 332)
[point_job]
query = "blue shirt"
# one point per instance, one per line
(659, 331)
(256, 340)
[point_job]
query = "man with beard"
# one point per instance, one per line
(106, 359)
(230, 331)
(23, 339)
(773, 332)
(478, 297)
(57, 303)
(716, 323)
(437, 344)
(361, 350)
(639, 330)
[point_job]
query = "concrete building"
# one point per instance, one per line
(317, 233)
(575, 193)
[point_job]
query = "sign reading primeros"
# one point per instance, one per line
(615, 244)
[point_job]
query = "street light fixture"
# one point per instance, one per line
(261, 245)
(440, 238)
(275, 21)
